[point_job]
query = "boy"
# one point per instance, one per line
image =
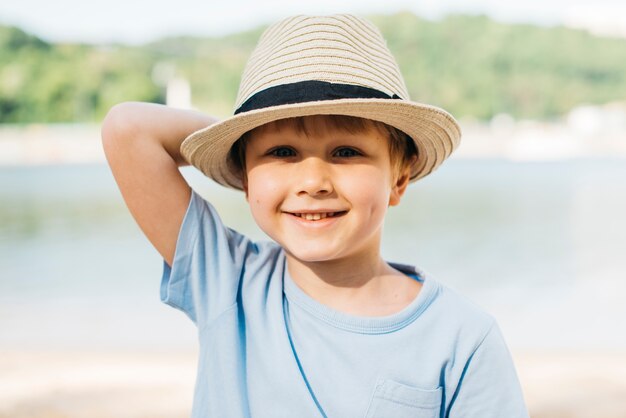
(315, 324)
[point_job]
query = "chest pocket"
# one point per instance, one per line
(396, 400)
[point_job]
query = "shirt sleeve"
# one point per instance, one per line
(207, 267)
(489, 387)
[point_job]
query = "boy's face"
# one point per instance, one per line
(321, 197)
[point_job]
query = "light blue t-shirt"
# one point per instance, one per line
(268, 350)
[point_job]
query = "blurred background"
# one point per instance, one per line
(526, 218)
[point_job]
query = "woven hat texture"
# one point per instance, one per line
(316, 65)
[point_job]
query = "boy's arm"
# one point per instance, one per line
(141, 142)
(489, 387)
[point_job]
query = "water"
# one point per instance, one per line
(540, 245)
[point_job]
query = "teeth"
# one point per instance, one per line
(314, 216)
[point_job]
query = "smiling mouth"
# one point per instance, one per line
(317, 216)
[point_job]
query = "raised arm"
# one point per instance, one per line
(141, 142)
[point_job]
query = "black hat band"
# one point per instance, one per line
(309, 91)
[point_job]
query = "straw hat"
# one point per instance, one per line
(312, 65)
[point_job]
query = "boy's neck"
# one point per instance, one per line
(365, 287)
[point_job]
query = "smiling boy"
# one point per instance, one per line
(315, 323)
(323, 198)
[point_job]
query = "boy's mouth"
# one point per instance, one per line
(317, 215)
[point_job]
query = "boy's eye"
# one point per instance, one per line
(282, 152)
(346, 152)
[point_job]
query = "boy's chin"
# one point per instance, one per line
(311, 256)
(317, 256)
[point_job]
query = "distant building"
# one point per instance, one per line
(589, 120)
(178, 93)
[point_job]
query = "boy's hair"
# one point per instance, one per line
(402, 150)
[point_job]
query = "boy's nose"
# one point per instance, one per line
(313, 177)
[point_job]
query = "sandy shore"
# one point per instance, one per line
(160, 385)
(573, 384)
(96, 385)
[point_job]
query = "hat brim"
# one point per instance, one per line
(435, 132)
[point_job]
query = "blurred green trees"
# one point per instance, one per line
(41, 82)
(469, 65)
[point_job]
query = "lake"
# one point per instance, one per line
(540, 245)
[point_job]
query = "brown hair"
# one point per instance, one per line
(402, 150)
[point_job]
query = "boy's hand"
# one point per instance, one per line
(141, 142)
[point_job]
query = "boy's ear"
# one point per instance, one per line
(244, 183)
(399, 187)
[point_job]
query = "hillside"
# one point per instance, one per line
(470, 65)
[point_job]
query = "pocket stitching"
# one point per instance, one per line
(422, 405)
(385, 390)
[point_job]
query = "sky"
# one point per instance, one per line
(139, 21)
